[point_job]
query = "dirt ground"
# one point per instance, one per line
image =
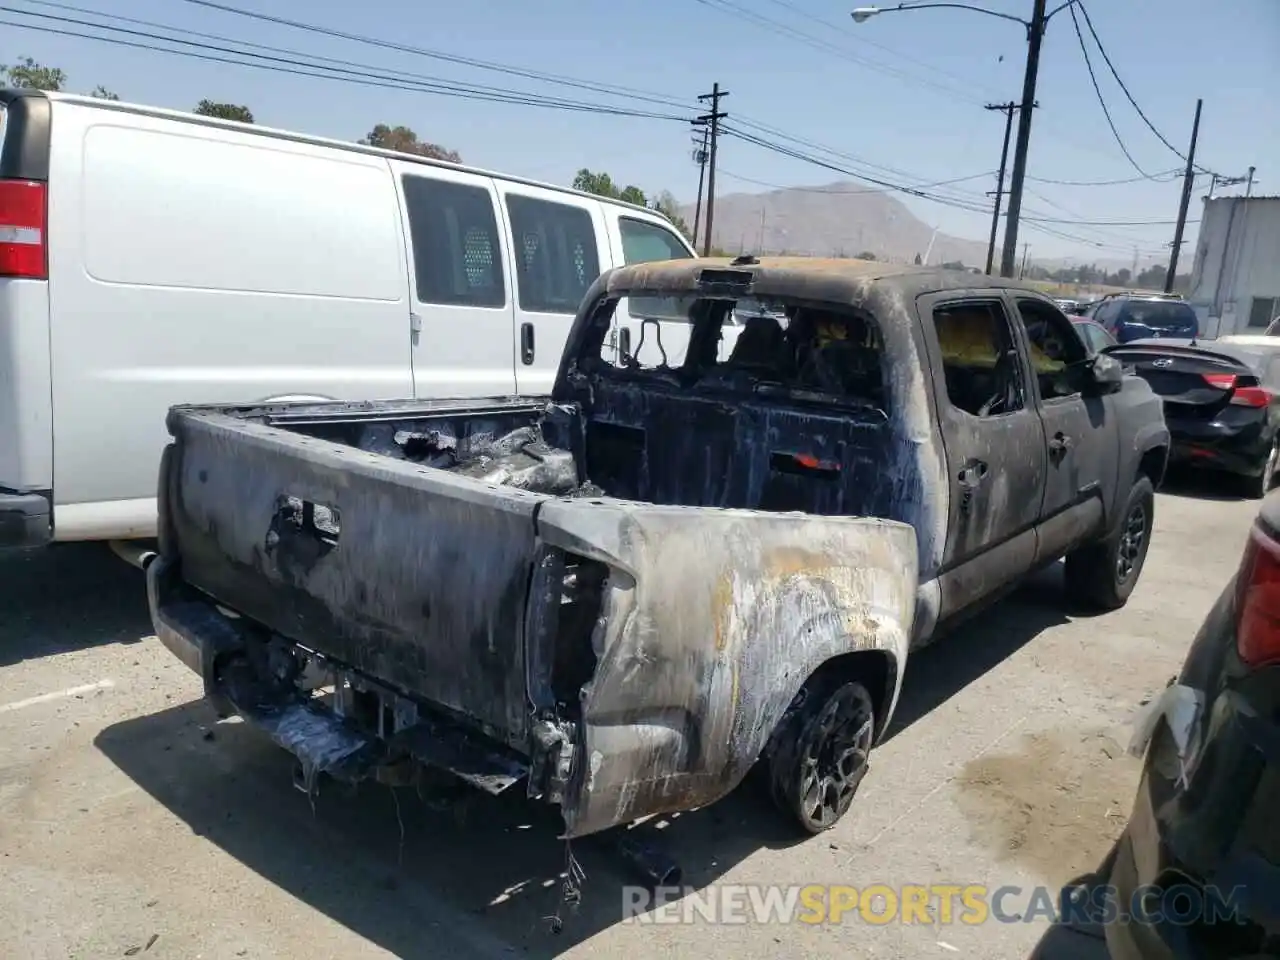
(132, 824)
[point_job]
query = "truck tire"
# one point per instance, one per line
(822, 753)
(1103, 574)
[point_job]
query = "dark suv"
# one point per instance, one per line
(1142, 316)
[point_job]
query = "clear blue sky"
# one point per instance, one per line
(900, 96)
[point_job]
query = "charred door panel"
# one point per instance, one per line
(405, 573)
(994, 440)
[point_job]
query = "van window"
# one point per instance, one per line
(643, 242)
(456, 256)
(555, 254)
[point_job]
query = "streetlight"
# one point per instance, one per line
(1035, 33)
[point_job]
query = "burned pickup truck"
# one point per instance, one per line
(687, 563)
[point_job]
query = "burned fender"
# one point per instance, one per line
(710, 623)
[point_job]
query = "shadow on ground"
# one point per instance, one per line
(378, 861)
(68, 597)
(943, 669)
(1202, 485)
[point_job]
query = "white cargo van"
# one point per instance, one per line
(149, 257)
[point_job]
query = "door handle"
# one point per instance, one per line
(973, 474)
(526, 343)
(624, 341)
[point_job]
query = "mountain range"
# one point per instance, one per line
(843, 219)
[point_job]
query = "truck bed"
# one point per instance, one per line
(451, 563)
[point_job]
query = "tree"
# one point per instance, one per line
(602, 185)
(102, 93)
(224, 111)
(667, 205)
(26, 74)
(1151, 278)
(404, 140)
(865, 255)
(917, 260)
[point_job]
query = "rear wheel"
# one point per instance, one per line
(1258, 487)
(822, 754)
(1103, 574)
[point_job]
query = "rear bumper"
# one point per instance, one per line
(26, 520)
(1206, 856)
(1238, 448)
(322, 738)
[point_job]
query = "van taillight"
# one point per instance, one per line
(1258, 599)
(23, 233)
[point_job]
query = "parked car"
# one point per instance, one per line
(1095, 336)
(1204, 819)
(629, 595)
(149, 257)
(1220, 402)
(1132, 316)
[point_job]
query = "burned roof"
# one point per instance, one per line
(813, 278)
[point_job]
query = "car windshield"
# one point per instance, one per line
(1159, 314)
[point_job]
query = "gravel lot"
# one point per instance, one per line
(131, 824)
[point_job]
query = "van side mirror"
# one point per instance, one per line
(1108, 374)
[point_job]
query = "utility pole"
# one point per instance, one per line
(1035, 33)
(1187, 179)
(1023, 272)
(700, 157)
(1007, 109)
(713, 134)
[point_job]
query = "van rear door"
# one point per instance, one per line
(26, 420)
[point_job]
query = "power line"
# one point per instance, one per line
(795, 8)
(592, 86)
(1108, 223)
(291, 66)
(320, 62)
(817, 43)
(1134, 103)
(1032, 224)
(839, 192)
(483, 92)
(364, 74)
(832, 152)
(1125, 238)
(1163, 177)
(1106, 112)
(795, 154)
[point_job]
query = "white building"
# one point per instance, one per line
(1235, 280)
